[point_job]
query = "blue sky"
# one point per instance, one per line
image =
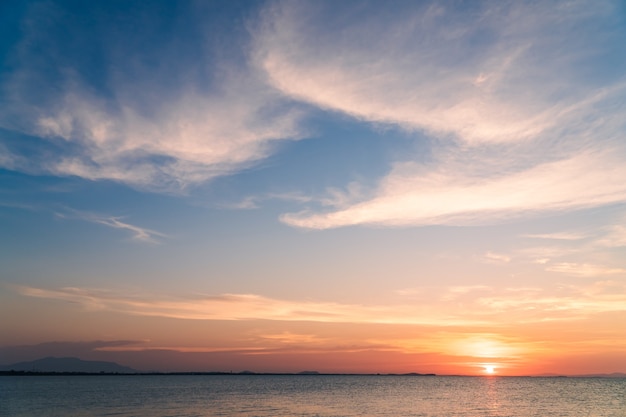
(428, 163)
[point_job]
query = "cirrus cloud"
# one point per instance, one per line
(506, 94)
(409, 196)
(160, 115)
(439, 306)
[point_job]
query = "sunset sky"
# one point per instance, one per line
(340, 186)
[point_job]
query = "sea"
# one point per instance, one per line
(310, 395)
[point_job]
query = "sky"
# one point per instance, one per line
(280, 186)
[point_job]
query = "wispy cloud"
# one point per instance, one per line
(289, 338)
(614, 236)
(254, 201)
(162, 128)
(388, 67)
(557, 236)
(580, 253)
(410, 195)
(518, 127)
(397, 66)
(455, 306)
(584, 269)
(492, 257)
(140, 234)
(232, 307)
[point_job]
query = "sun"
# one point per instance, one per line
(490, 369)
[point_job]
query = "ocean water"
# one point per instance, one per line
(310, 395)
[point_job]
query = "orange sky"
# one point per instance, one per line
(572, 345)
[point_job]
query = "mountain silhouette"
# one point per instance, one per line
(52, 364)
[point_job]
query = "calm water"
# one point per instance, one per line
(315, 395)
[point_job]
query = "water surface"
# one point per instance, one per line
(310, 395)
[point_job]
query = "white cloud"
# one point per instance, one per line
(431, 71)
(503, 90)
(519, 130)
(519, 127)
(160, 127)
(140, 234)
(409, 196)
(187, 140)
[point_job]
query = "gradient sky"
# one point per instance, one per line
(420, 186)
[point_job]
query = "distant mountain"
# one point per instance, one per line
(418, 374)
(68, 365)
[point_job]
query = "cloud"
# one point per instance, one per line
(138, 233)
(520, 112)
(289, 338)
(197, 115)
(410, 195)
(584, 269)
(447, 307)
(563, 250)
(538, 307)
(614, 237)
(189, 140)
(230, 307)
(253, 201)
(558, 236)
(141, 234)
(431, 66)
(516, 124)
(491, 257)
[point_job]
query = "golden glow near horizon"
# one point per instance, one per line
(366, 338)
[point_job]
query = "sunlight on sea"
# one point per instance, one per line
(310, 395)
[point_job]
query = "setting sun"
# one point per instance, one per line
(490, 369)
